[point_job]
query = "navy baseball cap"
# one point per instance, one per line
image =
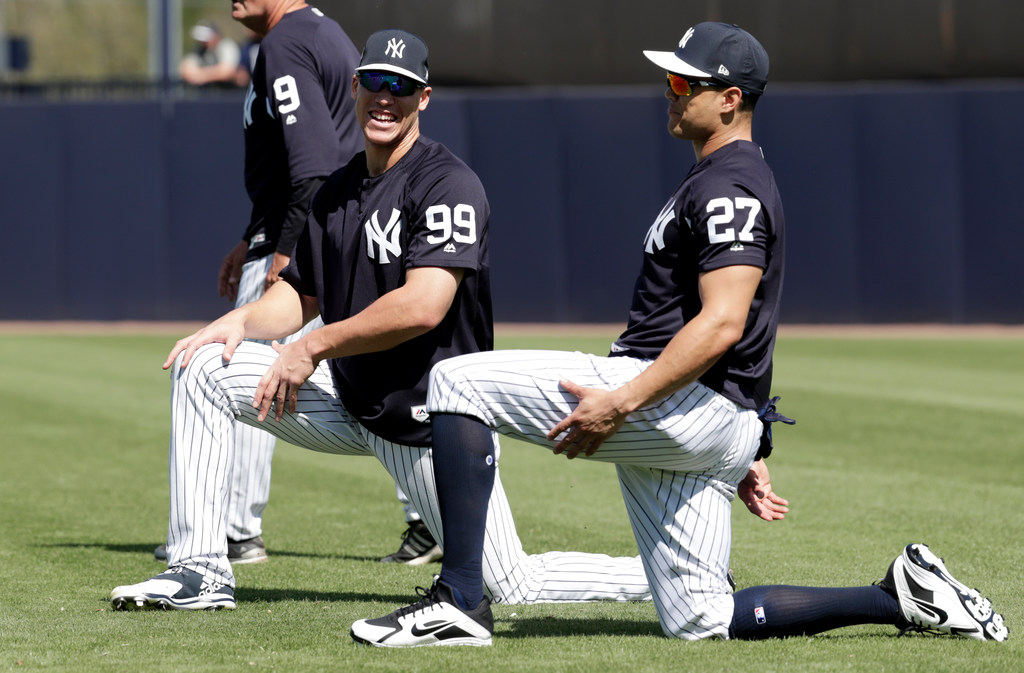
(395, 51)
(718, 51)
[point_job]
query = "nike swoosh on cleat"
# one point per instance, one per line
(429, 628)
(956, 631)
(924, 599)
(940, 615)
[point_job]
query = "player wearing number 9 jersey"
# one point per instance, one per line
(299, 124)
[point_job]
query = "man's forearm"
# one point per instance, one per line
(277, 314)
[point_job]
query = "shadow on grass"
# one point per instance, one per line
(561, 627)
(147, 548)
(252, 595)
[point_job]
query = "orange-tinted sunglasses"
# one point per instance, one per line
(681, 86)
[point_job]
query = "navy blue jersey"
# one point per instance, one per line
(299, 119)
(362, 236)
(726, 212)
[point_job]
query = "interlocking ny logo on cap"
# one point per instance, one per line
(686, 38)
(396, 47)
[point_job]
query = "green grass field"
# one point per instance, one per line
(898, 440)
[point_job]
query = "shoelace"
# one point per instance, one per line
(917, 628)
(427, 600)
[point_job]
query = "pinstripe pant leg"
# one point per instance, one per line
(695, 443)
(208, 398)
(682, 525)
(249, 489)
(250, 469)
(412, 469)
(510, 574)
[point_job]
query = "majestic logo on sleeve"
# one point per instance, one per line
(655, 239)
(382, 241)
(396, 47)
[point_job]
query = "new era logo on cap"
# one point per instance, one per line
(396, 51)
(718, 51)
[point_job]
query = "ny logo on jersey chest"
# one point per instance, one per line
(382, 241)
(655, 239)
(250, 98)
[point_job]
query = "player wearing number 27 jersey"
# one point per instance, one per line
(726, 212)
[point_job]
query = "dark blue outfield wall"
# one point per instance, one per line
(901, 200)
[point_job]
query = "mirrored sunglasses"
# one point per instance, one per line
(398, 85)
(681, 86)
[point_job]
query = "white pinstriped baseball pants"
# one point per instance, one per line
(679, 463)
(208, 398)
(250, 469)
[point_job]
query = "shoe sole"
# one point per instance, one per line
(920, 559)
(429, 556)
(262, 558)
(449, 642)
(146, 602)
(434, 554)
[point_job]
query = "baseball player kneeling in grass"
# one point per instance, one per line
(681, 406)
(394, 259)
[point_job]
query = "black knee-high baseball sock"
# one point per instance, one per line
(780, 611)
(463, 454)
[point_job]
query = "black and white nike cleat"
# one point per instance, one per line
(931, 600)
(434, 620)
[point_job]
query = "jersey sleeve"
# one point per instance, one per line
(729, 224)
(299, 271)
(450, 222)
(295, 91)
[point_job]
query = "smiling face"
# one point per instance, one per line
(390, 123)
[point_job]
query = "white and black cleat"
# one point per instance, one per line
(434, 620)
(931, 600)
(175, 589)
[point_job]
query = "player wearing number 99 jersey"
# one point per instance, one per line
(429, 210)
